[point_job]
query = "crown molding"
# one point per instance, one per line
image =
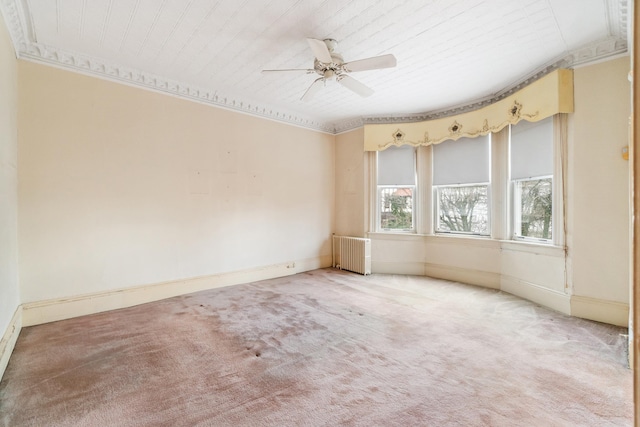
(347, 125)
(599, 51)
(595, 52)
(12, 11)
(25, 43)
(617, 12)
(97, 67)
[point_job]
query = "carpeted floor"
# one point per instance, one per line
(323, 348)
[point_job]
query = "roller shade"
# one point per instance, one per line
(532, 149)
(396, 166)
(465, 161)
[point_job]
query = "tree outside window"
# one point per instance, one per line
(463, 209)
(534, 219)
(396, 212)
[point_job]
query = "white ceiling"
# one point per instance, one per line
(451, 54)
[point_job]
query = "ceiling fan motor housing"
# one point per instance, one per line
(334, 68)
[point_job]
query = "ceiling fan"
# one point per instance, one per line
(329, 64)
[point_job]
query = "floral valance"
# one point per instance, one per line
(543, 98)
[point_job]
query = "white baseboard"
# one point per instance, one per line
(550, 298)
(456, 274)
(387, 267)
(485, 279)
(9, 339)
(64, 308)
(39, 312)
(612, 312)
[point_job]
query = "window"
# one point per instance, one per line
(396, 188)
(461, 175)
(532, 179)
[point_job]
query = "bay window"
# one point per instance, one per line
(506, 185)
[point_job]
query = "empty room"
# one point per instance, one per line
(317, 213)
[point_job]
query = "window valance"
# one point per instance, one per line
(550, 95)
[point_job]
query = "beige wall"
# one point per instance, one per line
(9, 291)
(350, 181)
(122, 187)
(598, 195)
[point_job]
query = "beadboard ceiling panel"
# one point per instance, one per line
(451, 54)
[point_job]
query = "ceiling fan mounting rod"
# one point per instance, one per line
(331, 44)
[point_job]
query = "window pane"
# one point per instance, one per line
(463, 209)
(396, 208)
(535, 206)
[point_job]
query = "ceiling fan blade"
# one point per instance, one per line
(313, 89)
(375, 63)
(355, 86)
(288, 70)
(320, 50)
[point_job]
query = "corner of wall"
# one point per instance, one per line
(9, 284)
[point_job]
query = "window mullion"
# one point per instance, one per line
(500, 184)
(424, 205)
(559, 181)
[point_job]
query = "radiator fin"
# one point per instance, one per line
(352, 254)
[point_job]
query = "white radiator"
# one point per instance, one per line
(352, 253)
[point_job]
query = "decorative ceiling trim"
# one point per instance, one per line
(13, 17)
(97, 67)
(598, 51)
(617, 13)
(347, 125)
(26, 46)
(604, 49)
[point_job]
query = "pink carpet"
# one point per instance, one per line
(323, 348)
